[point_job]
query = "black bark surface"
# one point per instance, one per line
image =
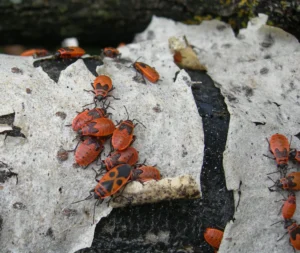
(107, 23)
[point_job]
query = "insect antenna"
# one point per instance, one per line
(277, 222)
(134, 62)
(139, 122)
(97, 203)
(94, 103)
(273, 172)
(89, 197)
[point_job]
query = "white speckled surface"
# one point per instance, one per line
(255, 70)
(250, 75)
(48, 222)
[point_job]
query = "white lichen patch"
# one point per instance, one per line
(37, 213)
(46, 222)
(257, 72)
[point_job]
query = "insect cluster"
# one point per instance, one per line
(280, 148)
(144, 69)
(94, 128)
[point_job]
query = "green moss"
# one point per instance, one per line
(103, 14)
(63, 8)
(198, 19)
(244, 11)
(232, 22)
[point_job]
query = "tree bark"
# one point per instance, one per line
(102, 23)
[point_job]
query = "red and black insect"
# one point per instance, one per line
(98, 127)
(111, 52)
(145, 173)
(102, 86)
(289, 206)
(290, 183)
(110, 183)
(123, 136)
(113, 181)
(213, 237)
(146, 71)
(35, 53)
(129, 156)
(295, 155)
(89, 150)
(279, 146)
(88, 115)
(69, 52)
(294, 231)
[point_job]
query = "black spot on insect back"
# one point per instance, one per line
(106, 186)
(127, 127)
(124, 170)
(119, 182)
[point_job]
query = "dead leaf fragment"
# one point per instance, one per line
(184, 56)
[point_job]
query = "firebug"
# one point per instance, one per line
(294, 231)
(86, 116)
(101, 87)
(89, 150)
(146, 71)
(98, 127)
(213, 237)
(129, 156)
(290, 183)
(110, 183)
(111, 52)
(123, 135)
(279, 146)
(69, 52)
(145, 173)
(295, 155)
(35, 53)
(289, 206)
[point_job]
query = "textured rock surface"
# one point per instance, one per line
(37, 214)
(257, 74)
